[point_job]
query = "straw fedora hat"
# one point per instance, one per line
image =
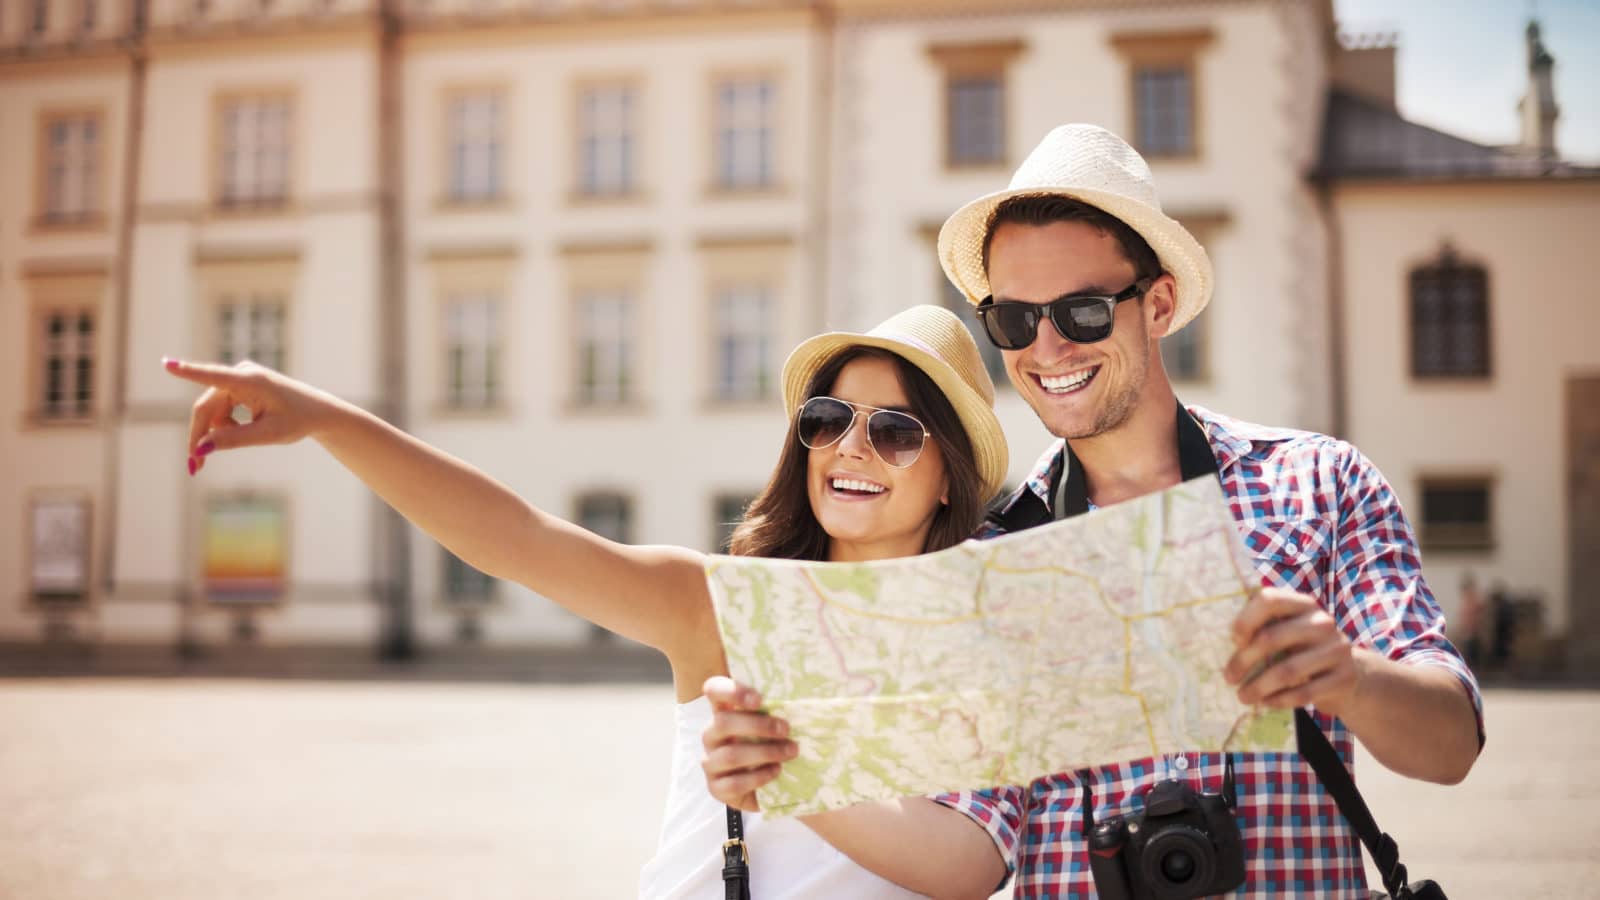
(935, 341)
(1087, 163)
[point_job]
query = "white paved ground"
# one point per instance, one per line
(261, 790)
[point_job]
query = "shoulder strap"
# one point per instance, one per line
(735, 859)
(1324, 760)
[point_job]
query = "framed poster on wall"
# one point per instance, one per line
(245, 549)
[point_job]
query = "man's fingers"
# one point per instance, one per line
(1264, 606)
(1280, 637)
(1333, 681)
(1293, 671)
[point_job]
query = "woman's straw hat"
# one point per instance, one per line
(935, 341)
(1087, 163)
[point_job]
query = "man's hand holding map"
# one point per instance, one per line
(1091, 640)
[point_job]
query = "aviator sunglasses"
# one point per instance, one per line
(1079, 318)
(896, 437)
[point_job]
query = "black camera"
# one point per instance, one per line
(1183, 845)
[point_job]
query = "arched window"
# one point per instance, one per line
(1449, 319)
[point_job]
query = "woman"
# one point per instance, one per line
(911, 479)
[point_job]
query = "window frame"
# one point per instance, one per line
(1165, 50)
(631, 184)
(1453, 537)
(607, 268)
(501, 94)
(93, 215)
(65, 293)
(971, 61)
(773, 179)
(766, 381)
(1447, 260)
(255, 204)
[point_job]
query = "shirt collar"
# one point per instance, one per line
(1230, 441)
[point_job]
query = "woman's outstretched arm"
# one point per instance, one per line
(654, 595)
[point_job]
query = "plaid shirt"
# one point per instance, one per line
(1319, 519)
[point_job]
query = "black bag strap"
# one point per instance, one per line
(735, 859)
(1324, 760)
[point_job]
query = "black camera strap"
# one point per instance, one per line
(735, 859)
(1195, 459)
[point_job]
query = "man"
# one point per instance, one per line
(1077, 275)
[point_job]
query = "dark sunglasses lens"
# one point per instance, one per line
(1011, 326)
(896, 436)
(822, 421)
(1082, 320)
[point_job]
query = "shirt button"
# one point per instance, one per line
(1181, 763)
(1294, 549)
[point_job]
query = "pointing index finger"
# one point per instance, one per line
(208, 374)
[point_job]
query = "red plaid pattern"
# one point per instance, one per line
(1320, 519)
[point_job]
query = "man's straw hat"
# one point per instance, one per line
(1087, 163)
(935, 341)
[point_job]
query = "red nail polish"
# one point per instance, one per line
(191, 465)
(169, 363)
(206, 446)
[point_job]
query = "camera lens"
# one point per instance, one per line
(1178, 866)
(1178, 862)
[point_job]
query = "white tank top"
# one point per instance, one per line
(787, 859)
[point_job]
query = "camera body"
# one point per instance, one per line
(1183, 845)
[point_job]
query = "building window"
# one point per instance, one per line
(1457, 513)
(245, 551)
(744, 343)
(1164, 107)
(90, 14)
(605, 347)
(976, 120)
(1163, 95)
(255, 152)
(1449, 319)
(974, 101)
(463, 583)
(1183, 353)
(606, 142)
(608, 514)
(71, 168)
(67, 364)
(952, 299)
(475, 124)
(472, 352)
(40, 21)
(250, 326)
(60, 549)
(727, 512)
(745, 113)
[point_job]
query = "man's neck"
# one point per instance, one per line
(1136, 458)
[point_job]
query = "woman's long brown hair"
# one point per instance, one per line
(780, 524)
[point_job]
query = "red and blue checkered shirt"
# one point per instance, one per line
(1320, 519)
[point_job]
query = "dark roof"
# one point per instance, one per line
(1363, 139)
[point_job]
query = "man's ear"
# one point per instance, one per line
(1160, 303)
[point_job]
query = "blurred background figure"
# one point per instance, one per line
(1469, 625)
(572, 240)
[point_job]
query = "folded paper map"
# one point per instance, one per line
(1088, 641)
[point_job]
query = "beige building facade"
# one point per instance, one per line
(571, 243)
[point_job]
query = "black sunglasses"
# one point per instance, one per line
(895, 436)
(1079, 318)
